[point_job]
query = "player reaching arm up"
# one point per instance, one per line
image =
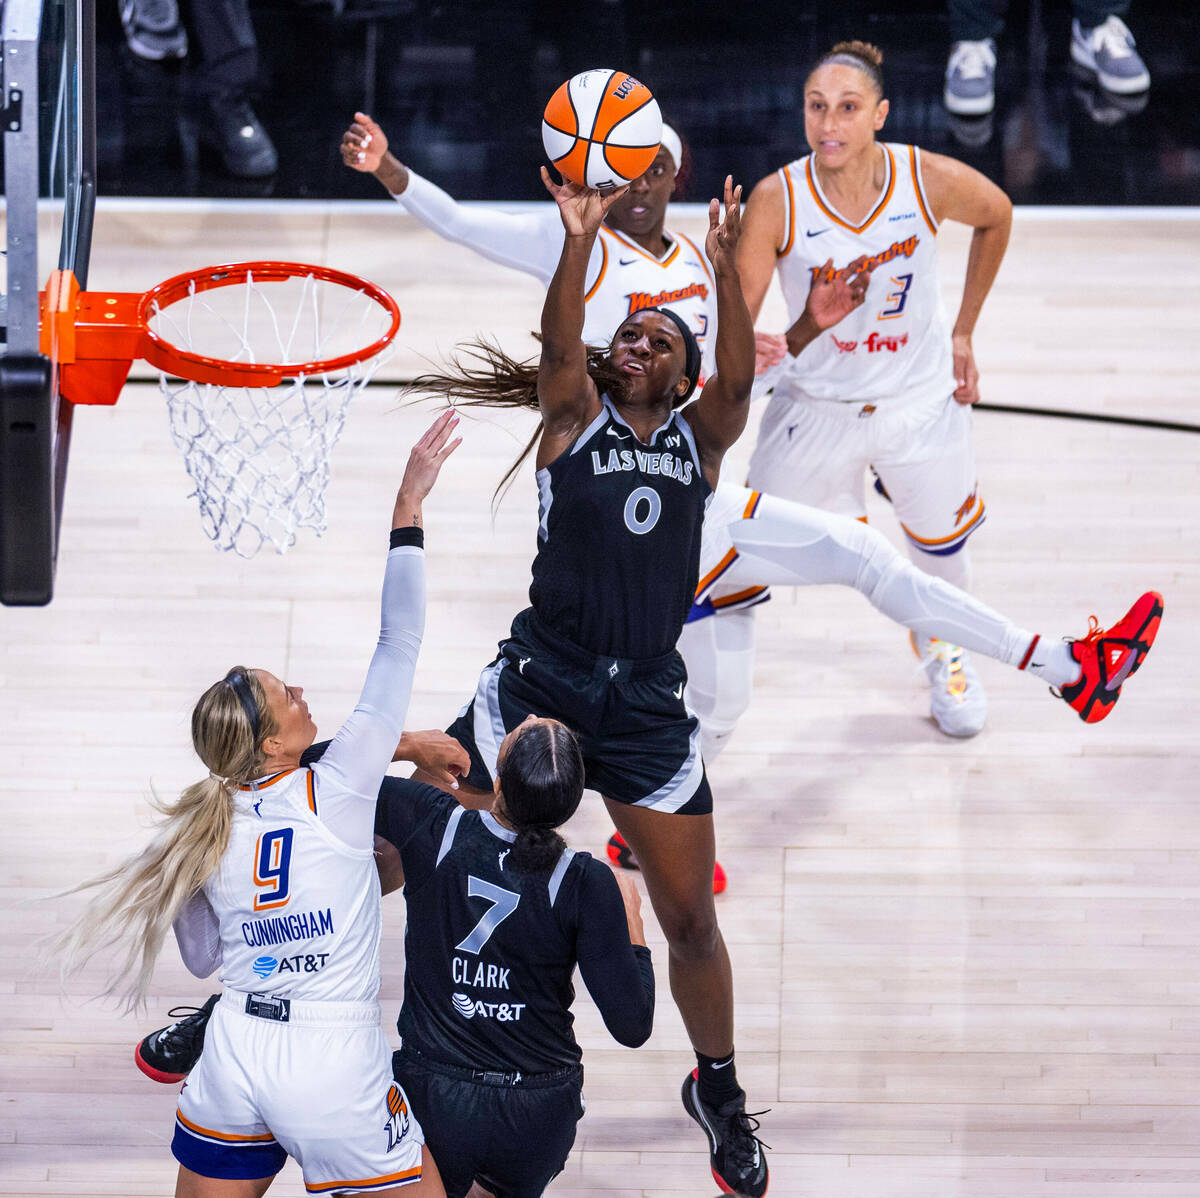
(295, 1062)
(645, 345)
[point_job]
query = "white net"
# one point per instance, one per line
(259, 457)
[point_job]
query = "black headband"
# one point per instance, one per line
(241, 688)
(691, 362)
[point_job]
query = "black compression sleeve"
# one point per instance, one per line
(619, 975)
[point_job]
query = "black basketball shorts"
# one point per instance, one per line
(640, 743)
(513, 1136)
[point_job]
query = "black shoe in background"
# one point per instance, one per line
(236, 133)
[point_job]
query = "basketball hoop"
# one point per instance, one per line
(258, 363)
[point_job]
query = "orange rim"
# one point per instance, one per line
(203, 368)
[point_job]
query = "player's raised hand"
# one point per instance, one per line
(721, 242)
(424, 463)
(582, 209)
(966, 374)
(836, 293)
(364, 144)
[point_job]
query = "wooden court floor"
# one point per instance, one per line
(964, 970)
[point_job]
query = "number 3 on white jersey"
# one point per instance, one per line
(898, 298)
(272, 869)
(504, 903)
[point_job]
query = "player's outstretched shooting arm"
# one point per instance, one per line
(567, 396)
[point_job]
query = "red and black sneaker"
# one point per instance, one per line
(621, 855)
(1109, 656)
(735, 1153)
(169, 1054)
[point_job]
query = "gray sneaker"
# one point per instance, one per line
(1111, 53)
(153, 29)
(971, 78)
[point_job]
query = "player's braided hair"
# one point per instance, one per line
(541, 782)
(861, 55)
(482, 375)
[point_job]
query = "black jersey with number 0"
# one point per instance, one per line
(489, 952)
(619, 537)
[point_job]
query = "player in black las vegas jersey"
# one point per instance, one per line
(623, 478)
(500, 911)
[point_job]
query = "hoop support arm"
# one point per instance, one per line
(92, 335)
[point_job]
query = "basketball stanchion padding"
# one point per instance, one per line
(258, 363)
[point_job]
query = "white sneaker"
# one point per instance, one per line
(957, 701)
(970, 88)
(1110, 51)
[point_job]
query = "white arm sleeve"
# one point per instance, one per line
(528, 242)
(198, 935)
(348, 775)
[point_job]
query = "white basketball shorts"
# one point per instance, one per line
(818, 451)
(317, 1087)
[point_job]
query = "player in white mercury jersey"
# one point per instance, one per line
(750, 540)
(892, 386)
(268, 871)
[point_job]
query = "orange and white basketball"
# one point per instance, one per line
(602, 129)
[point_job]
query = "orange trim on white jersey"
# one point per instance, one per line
(312, 793)
(814, 185)
(600, 277)
(699, 255)
(738, 597)
(748, 513)
(791, 214)
(914, 162)
(402, 1178)
(716, 572)
(958, 534)
(672, 253)
(270, 781)
(223, 1137)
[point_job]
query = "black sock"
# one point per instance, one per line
(717, 1079)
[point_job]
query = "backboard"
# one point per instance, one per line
(47, 118)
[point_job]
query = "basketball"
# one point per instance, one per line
(602, 129)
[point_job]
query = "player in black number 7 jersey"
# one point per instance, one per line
(500, 911)
(623, 480)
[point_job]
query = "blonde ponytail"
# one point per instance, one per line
(137, 901)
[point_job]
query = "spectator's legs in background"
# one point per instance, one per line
(152, 29)
(971, 72)
(224, 67)
(1101, 44)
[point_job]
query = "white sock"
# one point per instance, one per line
(1053, 662)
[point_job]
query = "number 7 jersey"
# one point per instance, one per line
(896, 345)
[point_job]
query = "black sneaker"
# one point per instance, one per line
(169, 1054)
(238, 136)
(735, 1153)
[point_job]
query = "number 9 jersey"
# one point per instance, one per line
(298, 908)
